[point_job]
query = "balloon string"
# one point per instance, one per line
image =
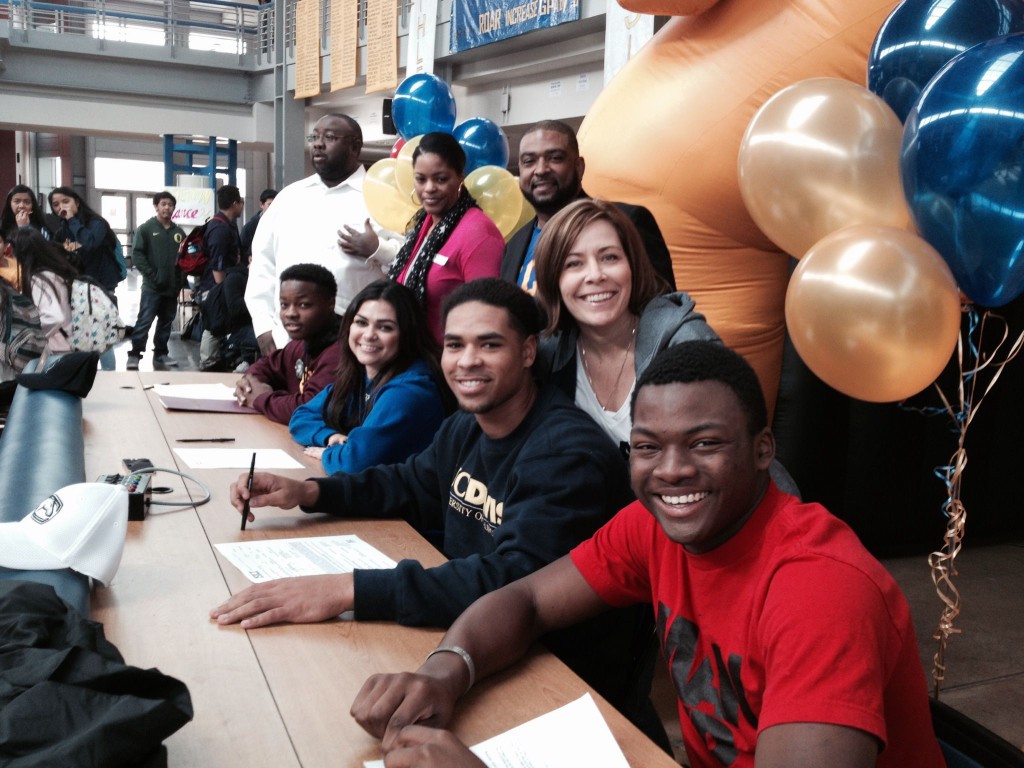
(943, 562)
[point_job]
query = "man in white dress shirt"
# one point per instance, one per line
(321, 219)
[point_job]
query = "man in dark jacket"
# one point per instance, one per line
(155, 255)
(249, 230)
(223, 246)
(515, 479)
(551, 177)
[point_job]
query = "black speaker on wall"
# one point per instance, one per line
(387, 124)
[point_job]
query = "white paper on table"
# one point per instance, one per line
(237, 458)
(200, 397)
(575, 734)
(282, 558)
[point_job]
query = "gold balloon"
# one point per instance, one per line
(525, 217)
(874, 312)
(818, 156)
(388, 207)
(497, 193)
(403, 168)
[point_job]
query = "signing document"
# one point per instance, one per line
(266, 560)
(572, 735)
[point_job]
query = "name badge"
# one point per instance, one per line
(441, 259)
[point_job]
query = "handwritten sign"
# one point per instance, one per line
(195, 205)
(307, 48)
(381, 45)
(344, 43)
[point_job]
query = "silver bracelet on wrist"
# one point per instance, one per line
(465, 657)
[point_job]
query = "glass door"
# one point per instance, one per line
(114, 208)
(124, 211)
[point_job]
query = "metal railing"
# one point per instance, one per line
(208, 25)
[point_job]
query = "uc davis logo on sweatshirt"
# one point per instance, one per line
(470, 498)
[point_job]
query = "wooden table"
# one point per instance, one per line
(277, 696)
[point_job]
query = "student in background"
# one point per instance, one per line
(21, 337)
(90, 244)
(278, 384)
(155, 255)
(44, 274)
(386, 401)
(787, 642)
(86, 236)
(20, 211)
(249, 230)
(240, 350)
(223, 246)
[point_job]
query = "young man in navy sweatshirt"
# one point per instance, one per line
(516, 479)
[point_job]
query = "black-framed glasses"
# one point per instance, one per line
(326, 138)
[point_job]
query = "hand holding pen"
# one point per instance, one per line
(248, 488)
(269, 490)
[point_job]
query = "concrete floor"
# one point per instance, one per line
(984, 663)
(186, 353)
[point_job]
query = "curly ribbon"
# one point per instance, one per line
(943, 562)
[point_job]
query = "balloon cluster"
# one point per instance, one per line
(891, 222)
(424, 104)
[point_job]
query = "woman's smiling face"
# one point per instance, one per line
(596, 283)
(436, 183)
(373, 336)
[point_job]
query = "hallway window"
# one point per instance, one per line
(135, 175)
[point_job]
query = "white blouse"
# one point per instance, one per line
(615, 424)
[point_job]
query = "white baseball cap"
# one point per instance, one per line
(81, 527)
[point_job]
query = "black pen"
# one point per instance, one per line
(205, 440)
(245, 510)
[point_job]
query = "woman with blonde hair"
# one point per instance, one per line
(609, 315)
(608, 311)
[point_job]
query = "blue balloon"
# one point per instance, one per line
(920, 36)
(962, 165)
(483, 142)
(422, 104)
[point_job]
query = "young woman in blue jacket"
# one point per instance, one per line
(86, 236)
(389, 396)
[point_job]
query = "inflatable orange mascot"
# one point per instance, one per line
(666, 131)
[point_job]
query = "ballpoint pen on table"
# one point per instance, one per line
(245, 510)
(205, 440)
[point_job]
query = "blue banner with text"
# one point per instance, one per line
(478, 22)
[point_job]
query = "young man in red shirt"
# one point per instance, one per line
(788, 643)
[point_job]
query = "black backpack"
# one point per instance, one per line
(214, 310)
(219, 318)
